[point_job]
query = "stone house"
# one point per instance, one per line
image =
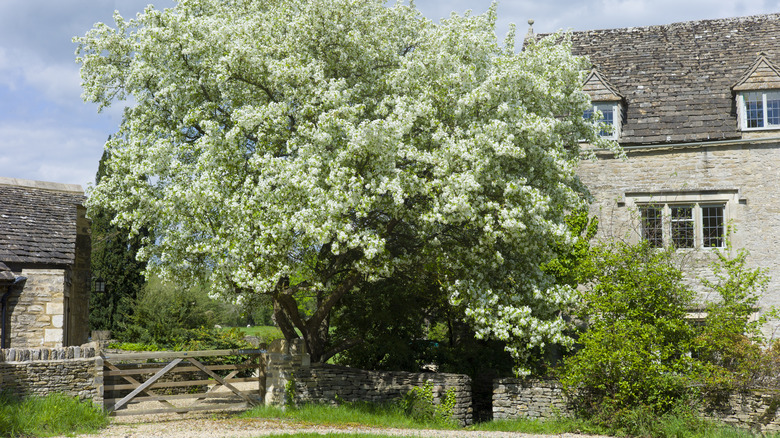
(696, 107)
(44, 264)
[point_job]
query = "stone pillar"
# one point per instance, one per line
(280, 362)
(99, 389)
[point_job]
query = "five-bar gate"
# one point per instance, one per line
(182, 381)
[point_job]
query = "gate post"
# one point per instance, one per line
(99, 388)
(281, 360)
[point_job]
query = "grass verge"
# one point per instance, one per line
(55, 414)
(347, 414)
(392, 416)
(664, 427)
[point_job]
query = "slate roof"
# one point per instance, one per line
(38, 221)
(677, 79)
(6, 276)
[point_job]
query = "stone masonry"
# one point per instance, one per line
(532, 399)
(755, 409)
(45, 247)
(73, 371)
(37, 313)
(318, 383)
(745, 177)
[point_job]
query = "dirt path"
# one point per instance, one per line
(205, 426)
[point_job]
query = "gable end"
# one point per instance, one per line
(762, 75)
(599, 89)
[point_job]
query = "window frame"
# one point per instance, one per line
(686, 230)
(617, 117)
(700, 201)
(772, 95)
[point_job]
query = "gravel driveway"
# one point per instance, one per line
(200, 425)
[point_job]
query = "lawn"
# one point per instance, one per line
(266, 333)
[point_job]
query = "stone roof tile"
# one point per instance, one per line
(679, 73)
(38, 222)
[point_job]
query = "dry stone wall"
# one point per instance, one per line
(755, 409)
(288, 366)
(329, 383)
(74, 371)
(526, 398)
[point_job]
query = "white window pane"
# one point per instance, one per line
(773, 109)
(682, 226)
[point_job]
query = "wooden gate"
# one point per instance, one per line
(182, 381)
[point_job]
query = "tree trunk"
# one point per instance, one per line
(315, 330)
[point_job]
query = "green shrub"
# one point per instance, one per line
(730, 343)
(164, 314)
(55, 414)
(419, 404)
(634, 351)
(289, 391)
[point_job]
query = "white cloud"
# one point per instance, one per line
(57, 82)
(41, 150)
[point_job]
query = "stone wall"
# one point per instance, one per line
(743, 175)
(326, 383)
(36, 311)
(36, 354)
(528, 398)
(74, 371)
(544, 399)
(317, 383)
(756, 409)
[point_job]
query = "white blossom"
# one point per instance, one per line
(262, 132)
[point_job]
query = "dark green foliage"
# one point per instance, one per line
(635, 350)
(52, 415)
(388, 321)
(114, 261)
(403, 324)
(258, 310)
(570, 264)
(164, 314)
(174, 318)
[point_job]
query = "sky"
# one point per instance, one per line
(48, 133)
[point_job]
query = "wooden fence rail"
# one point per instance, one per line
(148, 379)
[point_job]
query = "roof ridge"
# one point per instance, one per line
(42, 185)
(757, 17)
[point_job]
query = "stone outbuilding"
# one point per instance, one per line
(44, 264)
(696, 107)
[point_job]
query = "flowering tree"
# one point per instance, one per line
(303, 148)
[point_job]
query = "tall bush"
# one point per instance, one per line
(730, 343)
(634, 351)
